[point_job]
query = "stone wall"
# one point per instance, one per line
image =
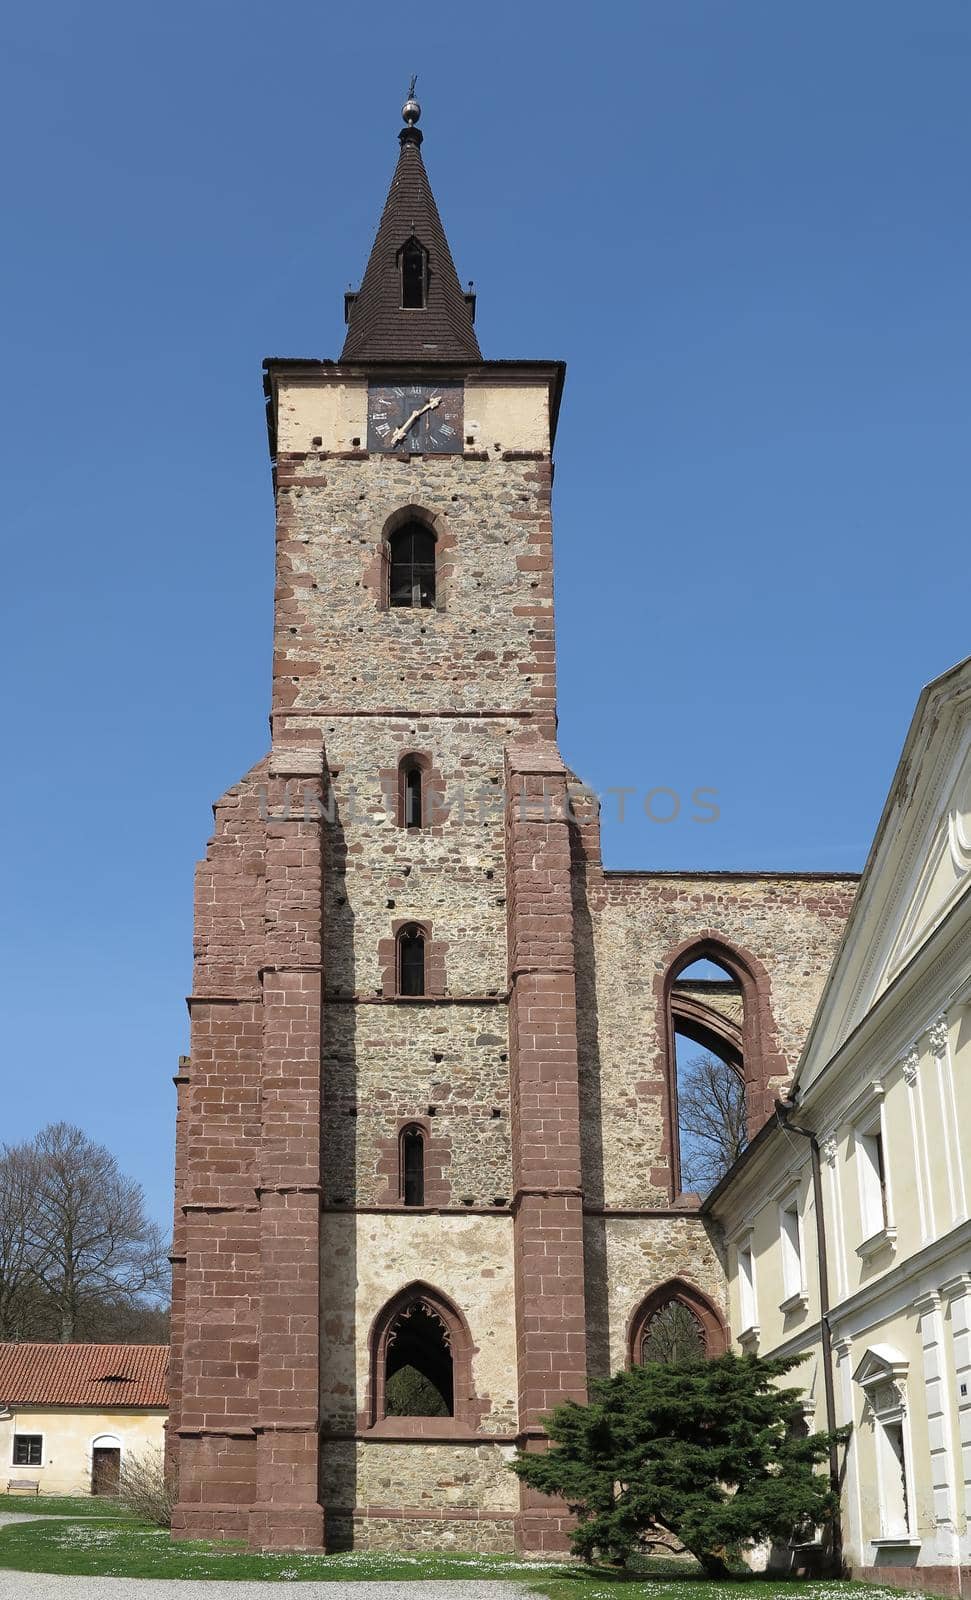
(632, 926)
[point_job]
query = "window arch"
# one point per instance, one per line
(421, 1365)
(411, 1165)
(412, 785)
(410, 962)
(711, 1017)
(676, 1323)
(411, 566)
(413, 266)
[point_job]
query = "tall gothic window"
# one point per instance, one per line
(708, 1110)
(411, 578)
(414, 276)
(412, 1164)
(411, 960)
(418, 1376)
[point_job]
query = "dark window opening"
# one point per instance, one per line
(674, 1335)
(413, 276)
(418, 1365)
(412, 574)
(27, 1449)
(411, 961)
(412, 797)
(413, 1167)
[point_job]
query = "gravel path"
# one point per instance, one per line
(44, 1586)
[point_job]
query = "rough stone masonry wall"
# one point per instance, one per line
(441, 1063)
(785, 927)
(473, 674)
(489, 645)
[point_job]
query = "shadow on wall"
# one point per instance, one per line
(339, 1179)
(591, 1135)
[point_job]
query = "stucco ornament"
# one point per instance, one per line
(828, 1148)
(911, 1065)
(938, 1036)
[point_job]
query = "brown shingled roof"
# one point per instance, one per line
(378, 326)
(96, 1375)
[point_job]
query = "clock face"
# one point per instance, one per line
(415, 416)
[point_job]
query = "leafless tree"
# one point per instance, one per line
(711, 1119)
(75, 1240)
(18, 1282)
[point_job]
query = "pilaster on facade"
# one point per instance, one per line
(956, 1294)
(938, 1412)
(548, 1199)
(938, 1035)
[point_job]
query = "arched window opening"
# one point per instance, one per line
(418, 1376)
(412, 1166)
(413, 262)
(706, 1074)
(411, 960)
(411, 795)
(411, 576)
(673, 1334)
(676, 1324)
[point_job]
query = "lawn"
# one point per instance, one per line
(96, 1545)
(61, 1505)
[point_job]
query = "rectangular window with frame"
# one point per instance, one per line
(790, 1239)
(746, 1286)
(28, 1449)
(873, 1180)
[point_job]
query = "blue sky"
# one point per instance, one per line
(745, 228)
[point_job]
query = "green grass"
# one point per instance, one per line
(61, 1505)
(96, 1545)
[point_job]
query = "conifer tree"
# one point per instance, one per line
(712, 1454)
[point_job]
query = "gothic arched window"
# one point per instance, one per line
(411, 1166)
(418, 1378)
(676, 1323)
(710, 1036)
(673, 1334)
(411, 566)
(411, 960)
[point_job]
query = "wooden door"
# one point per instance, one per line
(105, 1469)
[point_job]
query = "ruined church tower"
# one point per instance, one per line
(427, 1166)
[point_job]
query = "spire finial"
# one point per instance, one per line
(411, 110)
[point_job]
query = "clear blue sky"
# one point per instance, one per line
(745, 228)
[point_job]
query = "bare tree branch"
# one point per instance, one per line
(711, 1119)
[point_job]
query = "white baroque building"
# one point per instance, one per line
(863, 1265)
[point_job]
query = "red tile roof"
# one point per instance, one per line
(101, 1376)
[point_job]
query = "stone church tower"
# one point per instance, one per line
(428, 1175)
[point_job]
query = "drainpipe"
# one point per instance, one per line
(783, 1111)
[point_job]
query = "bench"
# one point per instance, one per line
(23, 1485)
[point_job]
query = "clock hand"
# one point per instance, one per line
(429, 405)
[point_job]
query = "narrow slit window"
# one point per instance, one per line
(414, 276)
(412, 566)
(411, 961)
(413, 1167)
(412, 797)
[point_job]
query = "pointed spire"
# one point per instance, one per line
(410, 306)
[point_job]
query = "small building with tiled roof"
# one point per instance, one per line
(70, 1413)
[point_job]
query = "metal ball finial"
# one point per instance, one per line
(411, 110)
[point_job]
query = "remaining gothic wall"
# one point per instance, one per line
(632, 927)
